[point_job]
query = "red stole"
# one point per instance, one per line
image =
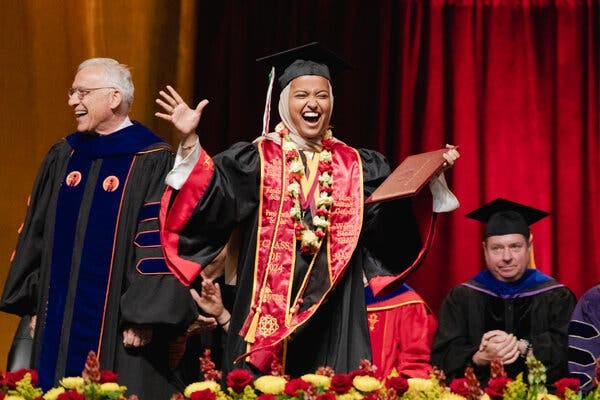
(273, 313)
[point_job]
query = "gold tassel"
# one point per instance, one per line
(251, 334)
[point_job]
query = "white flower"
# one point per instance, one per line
(325, 178)
(294, 189)
(324, 200)
(309, 237)
(288, 146)
(296, 212)
(279, 127)
(320, 222)
(325, 155)
(296, 166)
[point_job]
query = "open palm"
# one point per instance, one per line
(183, 118)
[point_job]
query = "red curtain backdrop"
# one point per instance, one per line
(514, 83)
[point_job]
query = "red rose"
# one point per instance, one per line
(372, 396)
(496, 387)
(562, 384)
(71, 395)
(238, 379)
(326, 396)
(459, 386)
(341, 383)
(11, 378)
(265, 396)
(2, 395)
(108, 376)
(398, 383)
(292, 387)
(205, 394)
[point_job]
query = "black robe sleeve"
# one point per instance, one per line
(390, 232)
(231, 196)
(21, 291)
(151, 297)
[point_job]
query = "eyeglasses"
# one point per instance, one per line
(82, 92)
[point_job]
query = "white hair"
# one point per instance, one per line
(116, 74)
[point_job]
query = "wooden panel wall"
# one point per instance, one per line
(43, 42)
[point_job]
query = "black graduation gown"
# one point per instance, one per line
(539, 313)
(88, 260)
(337, 334)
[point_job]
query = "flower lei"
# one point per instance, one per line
(310, 240)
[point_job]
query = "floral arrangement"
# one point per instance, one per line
(93, 384)
(365, 384)
(310, 239)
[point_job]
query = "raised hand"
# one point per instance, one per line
(176, 111)
(210, 299)
(451, 155)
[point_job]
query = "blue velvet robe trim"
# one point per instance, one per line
(80, 279)
(149, 211)
(371, 299)
(530, 279)
(148, 239)
(129, 140)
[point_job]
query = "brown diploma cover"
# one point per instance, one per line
(410, 176)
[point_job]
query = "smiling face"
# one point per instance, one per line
(507, 256)
(310, 105)
(97, 111)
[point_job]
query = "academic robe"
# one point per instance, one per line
(535, 308)
(232, 190)
(584, 338)
(88, 261)
(401, 327)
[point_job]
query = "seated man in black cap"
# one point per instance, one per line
(297, 195)
(508, 310)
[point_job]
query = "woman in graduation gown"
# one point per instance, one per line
(297, 195)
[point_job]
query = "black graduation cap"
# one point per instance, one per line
(309, 59)
(504, 217)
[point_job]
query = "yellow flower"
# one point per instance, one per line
(318, 380)
(485, 397)
(14, 397)
(197, 386)
(546, 396)
(270, 384)
(112, 387)
(366, 384)
(53, 393)
(73, 382)
(353, 394)
(454, 396)
(420, 384)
